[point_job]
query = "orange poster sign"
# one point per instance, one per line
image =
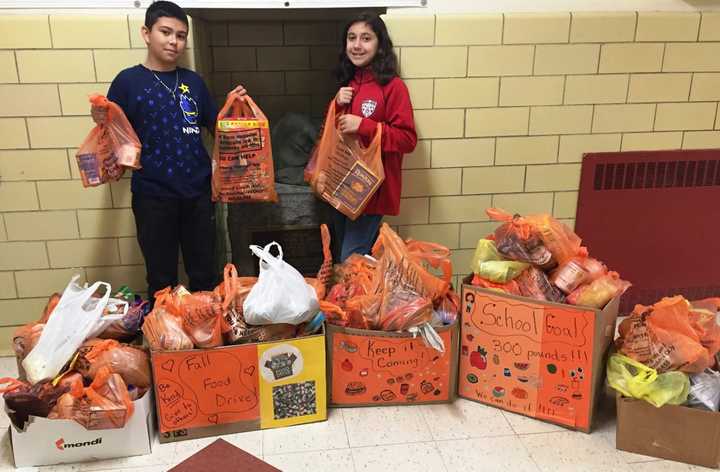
(206, 387)
(524, 356)
(370, 369)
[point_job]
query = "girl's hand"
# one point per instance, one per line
(240, 90)
(344, 96)
(99, 114)
(349, 124)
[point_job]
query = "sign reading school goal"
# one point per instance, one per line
(534, 358)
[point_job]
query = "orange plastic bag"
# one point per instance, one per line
(407, 289)
(599, 292)
(321, 282)
(518, 240)
(663, 337)
(560, 240)
(343, 172)
(164, 331)
(242, 164)
(509, 287)
(109, 148)
(399, 266)
(109, 402)
(203, 318)
(131, 363)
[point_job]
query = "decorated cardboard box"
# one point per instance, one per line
(45, 442)
(375, 368)
(230, 389)
(540, 359)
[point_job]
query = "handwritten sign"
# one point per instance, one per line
(376, 369)
(527, 357)
(206, 387)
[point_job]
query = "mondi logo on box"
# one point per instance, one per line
(62, 445)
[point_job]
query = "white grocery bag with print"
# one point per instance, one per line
(281, 294)
(75, 317)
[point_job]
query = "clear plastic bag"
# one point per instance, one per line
(75, 317)
(281, 294)
(599, 292)
(533, 283)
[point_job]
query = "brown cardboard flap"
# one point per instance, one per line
(678, 433)
(401, 370)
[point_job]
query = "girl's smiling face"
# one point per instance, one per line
(361, 44)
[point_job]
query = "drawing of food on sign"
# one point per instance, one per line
(541, 357)
(368, 369)
(206, 387)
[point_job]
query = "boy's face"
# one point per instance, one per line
(166, 40)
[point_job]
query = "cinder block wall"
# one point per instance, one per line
(505, 106)
(285, 65)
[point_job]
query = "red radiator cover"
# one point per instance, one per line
(654, 216)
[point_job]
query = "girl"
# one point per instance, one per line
(371, 92)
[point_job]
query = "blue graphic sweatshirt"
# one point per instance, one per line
(174, 160)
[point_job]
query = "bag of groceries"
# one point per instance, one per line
(342, 171)
(242, 163)
(109, 148)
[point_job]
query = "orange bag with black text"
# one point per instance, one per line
(109, 148)
(242, 164)
(342, 171)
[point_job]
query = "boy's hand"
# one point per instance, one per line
(99, 115)
(240, 90)
(344, 96)
(349, 124)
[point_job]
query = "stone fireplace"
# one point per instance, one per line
(285, 60)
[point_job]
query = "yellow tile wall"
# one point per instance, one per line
(505, 105)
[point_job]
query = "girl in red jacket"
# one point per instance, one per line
(371, 92)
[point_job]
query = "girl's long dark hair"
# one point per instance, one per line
(384, 65)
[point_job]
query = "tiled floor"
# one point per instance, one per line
(464, 436)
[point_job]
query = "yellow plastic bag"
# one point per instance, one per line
(633, 379)
(500, 272)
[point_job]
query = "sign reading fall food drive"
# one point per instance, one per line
(254, 386)
(530, 357)
(383, 368)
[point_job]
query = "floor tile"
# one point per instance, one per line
(399, 458)
(465, 419)
(320, 436)
(338, 460)
(499, 454)
(385, 425)
(571, 451)
(522, 424)
(668, 466)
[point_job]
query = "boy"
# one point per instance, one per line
(166, 106)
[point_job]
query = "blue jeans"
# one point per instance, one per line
(354, 237)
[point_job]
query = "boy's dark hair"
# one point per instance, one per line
(384, 65)
(157, 10)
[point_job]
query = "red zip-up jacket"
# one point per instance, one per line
(390, 105)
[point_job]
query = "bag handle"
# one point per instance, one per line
(237, 106)
(230, 276)
(265, 255)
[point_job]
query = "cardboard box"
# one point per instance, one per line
(230, 389)
(373, 368)
(540, 359)
(677, 433)
(47, 442)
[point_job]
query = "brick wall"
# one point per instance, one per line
(285, 65)
(505, 106)
(50, 226)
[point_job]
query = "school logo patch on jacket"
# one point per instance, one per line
(368, 107)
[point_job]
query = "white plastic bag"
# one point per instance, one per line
(705, 390)
(76, 315)
(281, 294)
